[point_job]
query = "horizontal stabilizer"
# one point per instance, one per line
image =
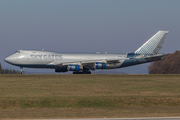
(157, 57)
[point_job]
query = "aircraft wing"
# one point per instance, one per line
(89, 64)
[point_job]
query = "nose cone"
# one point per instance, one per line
(9, 60)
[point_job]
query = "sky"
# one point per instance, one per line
(112, 26)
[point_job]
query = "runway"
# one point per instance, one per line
(153, 118)
(158, 118)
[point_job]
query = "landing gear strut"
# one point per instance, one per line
(83, 72)
(22, 72)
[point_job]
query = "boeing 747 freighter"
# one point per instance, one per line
(84, 63)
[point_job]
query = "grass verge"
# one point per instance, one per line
(81, 96)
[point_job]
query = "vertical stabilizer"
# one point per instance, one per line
(154, 44)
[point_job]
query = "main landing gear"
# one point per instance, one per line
(83, 72)
(22, 72)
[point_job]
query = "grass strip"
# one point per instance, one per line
(92, 102)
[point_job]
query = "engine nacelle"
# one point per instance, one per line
(100, 65)
(75, 67)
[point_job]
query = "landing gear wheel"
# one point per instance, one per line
(22, 72)
(77, 72)
(87, 72)
(84, 72)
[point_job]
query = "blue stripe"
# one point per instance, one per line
(104, 65)
(70, 67)
(131, 62)
(77, 67)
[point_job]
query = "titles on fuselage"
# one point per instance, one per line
(45, 57)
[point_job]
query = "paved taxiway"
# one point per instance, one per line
(154, 118)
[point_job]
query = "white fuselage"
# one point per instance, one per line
(44, 59)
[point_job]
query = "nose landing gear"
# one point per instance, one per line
(22, 72)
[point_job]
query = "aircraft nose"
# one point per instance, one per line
(9, 59)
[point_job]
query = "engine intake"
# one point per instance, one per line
(100, 65)
(74, 67)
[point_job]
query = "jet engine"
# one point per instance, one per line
(100, 65)
(75, 67)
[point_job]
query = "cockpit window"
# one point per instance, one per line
(17, 52)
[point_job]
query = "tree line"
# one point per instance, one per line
(168, 65)
(8, 71)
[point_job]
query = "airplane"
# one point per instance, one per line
(84, 63)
